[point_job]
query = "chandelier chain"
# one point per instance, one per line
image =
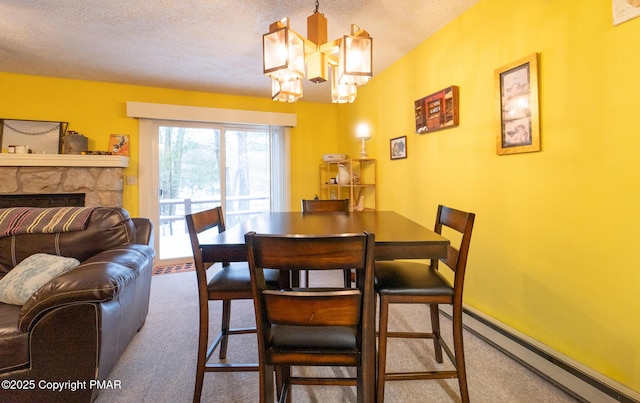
(317, 6)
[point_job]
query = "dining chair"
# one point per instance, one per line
(313, 327)
(230, 282)
(408, 282)
(325, 206)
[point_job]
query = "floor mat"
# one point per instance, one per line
(174, 268)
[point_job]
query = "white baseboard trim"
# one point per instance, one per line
(568, 374)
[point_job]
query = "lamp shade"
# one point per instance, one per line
(283, 54)
(363, 131)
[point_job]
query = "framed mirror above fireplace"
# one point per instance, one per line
(35, 136)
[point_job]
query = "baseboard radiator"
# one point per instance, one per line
(576, 379)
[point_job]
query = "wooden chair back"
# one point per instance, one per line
(325, 206)
(314, 307)
(318, 205)
(203, 221)
(456, 259)
(196, 224)
(340, 308)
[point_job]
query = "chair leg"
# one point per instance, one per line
(283, 383)
(266, 383)
(435, 329)
(458, 348)
(359, 385)
(382, 347)
(278, 371)
(203, 341)
(226, 319)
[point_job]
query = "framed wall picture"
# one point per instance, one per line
(39, 136)
(437, 111)
(398, 148)
(517, 106)
(119, 144)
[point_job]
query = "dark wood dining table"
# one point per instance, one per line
(396, 237)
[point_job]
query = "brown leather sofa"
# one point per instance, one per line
(61, 345)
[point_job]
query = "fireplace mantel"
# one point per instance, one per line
(63, 160)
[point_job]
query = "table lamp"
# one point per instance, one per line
(363, 133)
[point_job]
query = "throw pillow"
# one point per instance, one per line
(32, 273)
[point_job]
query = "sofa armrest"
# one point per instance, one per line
(144, 231)
(98, 279)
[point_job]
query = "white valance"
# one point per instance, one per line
(204, 114)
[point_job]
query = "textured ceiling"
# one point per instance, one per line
(203, 45)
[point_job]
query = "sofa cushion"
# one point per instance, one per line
(31, 274)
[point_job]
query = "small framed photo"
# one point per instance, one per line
(119, 144)
(398, 148)
(517, 106)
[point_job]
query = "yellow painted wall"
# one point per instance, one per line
(553, 250)
(98, 109)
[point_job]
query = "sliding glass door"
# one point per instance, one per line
(199, 166)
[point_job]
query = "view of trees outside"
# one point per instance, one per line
(189, 167)
(190, 177)
(248, 174)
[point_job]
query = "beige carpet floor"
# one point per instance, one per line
(159, 364)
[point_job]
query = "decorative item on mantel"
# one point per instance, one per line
(119, 144)
(31, 136)
(74, 143)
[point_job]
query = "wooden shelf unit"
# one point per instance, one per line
(360, 189)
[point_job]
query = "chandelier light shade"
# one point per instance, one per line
(289, 91)
(356, 59)
(283, 53)
(341, 93)
(286, 53)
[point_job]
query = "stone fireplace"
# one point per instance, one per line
(42, 200)
(100, 178)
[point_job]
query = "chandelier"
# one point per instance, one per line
(285, 53)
